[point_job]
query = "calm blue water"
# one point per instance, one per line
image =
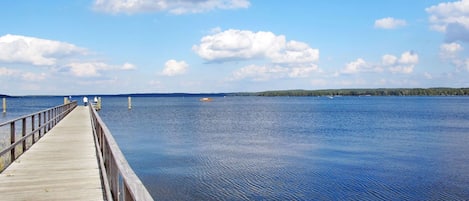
(20, 106)
(302, 148)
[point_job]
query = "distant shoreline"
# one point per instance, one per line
(440, 91)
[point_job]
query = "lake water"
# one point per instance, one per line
(295, 148)
(21, 106)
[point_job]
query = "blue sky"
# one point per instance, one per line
(159, 46)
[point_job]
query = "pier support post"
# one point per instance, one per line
(99, 104)
(130, 103)
(4, 105)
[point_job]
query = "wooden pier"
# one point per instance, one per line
(73, 157)
(61, 166)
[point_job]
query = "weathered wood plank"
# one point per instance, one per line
(61, 166)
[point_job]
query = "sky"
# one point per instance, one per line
(210, 46)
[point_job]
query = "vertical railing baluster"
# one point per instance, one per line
(39, 125)
(12, 141)
(32, 130)
(44, 123)
(23, 133)
(49, 122)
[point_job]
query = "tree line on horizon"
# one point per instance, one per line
(367, 92)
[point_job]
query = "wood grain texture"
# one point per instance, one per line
(61, 166)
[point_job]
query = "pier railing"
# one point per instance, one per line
(27, 130)
(120, 181)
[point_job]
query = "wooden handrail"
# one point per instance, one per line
(46, 120)
(120, 180)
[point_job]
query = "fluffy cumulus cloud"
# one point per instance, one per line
(450, 50)
(389, 23)
(128, 66)
(356, 66)
(283, 58)
(235, 44)
(172, 6)
(173, 67)
(35, 51)
(94, 69)
(88, 69)
(404, 64)
(451, 18)
(55, 56)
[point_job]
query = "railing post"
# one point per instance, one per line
(32, 129)
(39, 124)
(23, 133)
(12, 141)
(54, 115)
(49, 122)
(44, 121)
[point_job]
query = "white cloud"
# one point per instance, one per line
(95, 69)
(450, 50)
(295, 52)
(238, 45)
(172, 6)
(7, 72)
(406, 69)
(35, 51)
(409, 58)
(283, 58)
(355, 66)
(389, 23)
(173, 67)
(88, 69)
(302, 71)
(451, 18)
(25, 76)
(244, 45)
(389, 60)
(403, 64)
(128, 66)
(259, 73)
(29, 76)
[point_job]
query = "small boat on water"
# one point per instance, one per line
(206, 99)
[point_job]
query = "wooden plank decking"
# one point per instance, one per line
(62, 166)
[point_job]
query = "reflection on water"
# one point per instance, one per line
(306, 148)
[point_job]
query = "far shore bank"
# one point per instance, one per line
(440, 91)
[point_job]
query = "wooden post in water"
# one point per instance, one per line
(130, 103)
(4, 105)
